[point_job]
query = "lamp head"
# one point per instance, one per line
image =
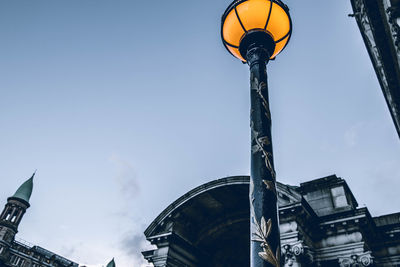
(263, 23)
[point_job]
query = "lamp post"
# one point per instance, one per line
(256, 31)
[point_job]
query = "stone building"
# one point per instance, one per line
(14, 252)
(320, 225)
(379, 24)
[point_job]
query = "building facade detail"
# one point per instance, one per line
(18, 253)
(297, 254)
(320, 225)
(393, 17)
(364, 259)
(378, 22)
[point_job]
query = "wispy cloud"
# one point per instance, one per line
(125, 177)
(351, 135)
(87, 252)
(133, 243)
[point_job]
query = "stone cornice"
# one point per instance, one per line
(380, 36)
(334, 252)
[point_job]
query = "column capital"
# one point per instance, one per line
(363, 259)
(297, 254)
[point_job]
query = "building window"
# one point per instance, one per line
(17, 261)
(13, 259)
(8, 215)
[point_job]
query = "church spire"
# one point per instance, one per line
(24, 192)
(14, 210)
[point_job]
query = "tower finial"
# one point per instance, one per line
(24, 192)
(111, 263)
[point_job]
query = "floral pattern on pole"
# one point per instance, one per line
(261, 234)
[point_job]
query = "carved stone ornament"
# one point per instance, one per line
(362, 17)
(393, 13)
(364, 259)
(297, 254)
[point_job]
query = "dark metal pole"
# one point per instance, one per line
(264, 223)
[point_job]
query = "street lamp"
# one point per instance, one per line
(256, 31)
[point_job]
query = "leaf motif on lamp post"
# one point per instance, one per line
(261, 142)
(261, 234)
(270, 185)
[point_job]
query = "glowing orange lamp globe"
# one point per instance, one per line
(266, 21)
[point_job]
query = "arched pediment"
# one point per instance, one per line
(212, 220)
(286, 194)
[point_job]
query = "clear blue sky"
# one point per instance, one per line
(123, 106)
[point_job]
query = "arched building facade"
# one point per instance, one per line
(320, 225)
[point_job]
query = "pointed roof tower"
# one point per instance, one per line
(24, 192)
(111, 263)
